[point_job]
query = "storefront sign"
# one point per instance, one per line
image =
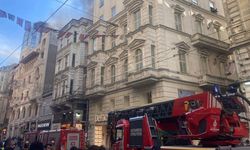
(44, 125)
(101, 118)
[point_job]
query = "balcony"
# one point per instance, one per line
(95, 92)
(209, 80)
(143, 77)
(205, 42)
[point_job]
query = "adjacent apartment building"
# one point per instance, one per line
(147, 51)
(6, 74)
(238, 16)
(69, 103)
(32, 86)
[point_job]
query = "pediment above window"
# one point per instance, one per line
(203, 52)
(92, 64)
(182, 46)
(124, 54)
(133, 5)
(198, 17)
(217, 24)
(123, 20)
(136, 43)
(111, 60)
(178, 9)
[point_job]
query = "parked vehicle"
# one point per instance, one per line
(212, 118)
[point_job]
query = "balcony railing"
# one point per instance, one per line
(96, 91)
(209, 80)
(206, 42)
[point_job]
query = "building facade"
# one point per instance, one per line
(6, 74)
(147, 51)
(33, 84)
(69, 104)
(238, 16)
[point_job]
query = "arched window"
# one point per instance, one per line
(24, 112)
(113, 74)
(18, 113)
(138, 60)
(36, 110)
(13, 115)
(29, 111)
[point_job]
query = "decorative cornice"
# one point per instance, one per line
(92, 64)
(111, 60)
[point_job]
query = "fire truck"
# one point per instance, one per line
(62, 139)
(210, 119)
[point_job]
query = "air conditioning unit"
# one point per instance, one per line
(213, 10)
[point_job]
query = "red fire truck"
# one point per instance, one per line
(214, 119)
(62, 139)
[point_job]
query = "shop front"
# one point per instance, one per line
(101, 136)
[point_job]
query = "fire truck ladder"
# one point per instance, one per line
(153, 132)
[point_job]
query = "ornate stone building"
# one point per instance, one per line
(33, 82)
(147, 51)
(238, 16)
(6, 74)
(69, 104)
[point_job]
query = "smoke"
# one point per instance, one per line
(73, 9)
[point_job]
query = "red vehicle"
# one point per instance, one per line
(212, 118)
(62, 139)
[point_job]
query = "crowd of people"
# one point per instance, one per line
(19, 144)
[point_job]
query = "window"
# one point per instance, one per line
(63, 88)
(67, 41)
(218, 33)
(195, 2)
(24, 112)
(92, 76)
(113, 74)
(27, 94)
(22, 96)
(184, 93)
(102, 75)
(61, 43)
(182, 59)
(23, 82)
(29, 79)
(18, 114)
(203, 64)
(94, 44)
(36, 110)
(211, 4)
(71, 86)
(75, 37)
(59, 64)
(222, 68)
(138, 60)
(112, 103)
(125, 29)
(66, 60)
(149, 97)
(178, 22)
(103, 42)
(73, 60)
(101, 3)
(153, 56)
(42, 55)
(150, 13)
(98, 136)
(113, 11)
(101, 17)
(29, 110)
(125, 66)
(113, 40)
(137, 19)
(126, 101)
(198, 26)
